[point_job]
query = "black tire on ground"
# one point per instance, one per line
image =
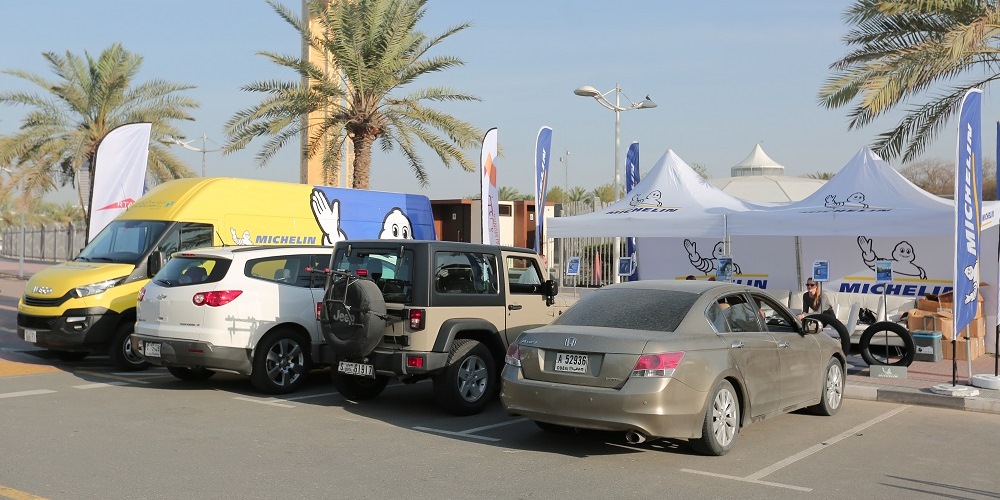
(69, 355)
(832, 321)
(833, 390)
(190, 374)
(469, 380)
(121, 353)
(280, 362)
(905, 357)
(722, 422)
(358, 388)
(554, 428)
(353, 331)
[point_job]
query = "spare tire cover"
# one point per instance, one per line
(354, 326)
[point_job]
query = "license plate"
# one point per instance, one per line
(30, 336)
(573, 363)
(357, 369)
(152, 349)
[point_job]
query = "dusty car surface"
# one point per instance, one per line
(677, 359)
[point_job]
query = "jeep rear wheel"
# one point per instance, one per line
(468, 381)
(358, 388)
(355, 324)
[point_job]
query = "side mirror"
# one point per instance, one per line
(154, 263)
(550, 289)
(812, 325)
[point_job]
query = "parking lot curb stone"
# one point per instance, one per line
(919, 397)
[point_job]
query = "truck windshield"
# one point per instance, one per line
(123, 241)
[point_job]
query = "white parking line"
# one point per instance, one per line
(100, 385)
(470, 433)
(25, 393)
(265, 401)
(755, 477)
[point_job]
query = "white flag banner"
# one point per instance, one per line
(490, 192)
(119, 174)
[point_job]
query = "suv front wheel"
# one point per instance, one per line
(468, 381)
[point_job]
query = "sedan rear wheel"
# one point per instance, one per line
(722, 422)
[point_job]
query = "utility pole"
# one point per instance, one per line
(565, 159)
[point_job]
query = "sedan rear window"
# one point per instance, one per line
(636, 309)
(181, 271)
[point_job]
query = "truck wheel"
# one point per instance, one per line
(358, 388)
(280, 362)
(355, 325)
(468, 381)
(883, 354)
(190, 374)
(122, 355)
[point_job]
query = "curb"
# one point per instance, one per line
(919, 397)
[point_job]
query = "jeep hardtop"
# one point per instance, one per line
(430, 309)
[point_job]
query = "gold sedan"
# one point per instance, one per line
(676, 359)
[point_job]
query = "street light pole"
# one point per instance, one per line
(565, 159)
(601, 98)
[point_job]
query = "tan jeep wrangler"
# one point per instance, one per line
(430, 309)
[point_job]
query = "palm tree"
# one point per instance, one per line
(904, 49)
(507, 193)
(87, 99)
(578, 194)
(823, 176)
(379, 53)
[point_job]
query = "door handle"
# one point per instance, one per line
(737, 345)
(514, 307)
(783, 344)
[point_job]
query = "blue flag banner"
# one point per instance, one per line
(543, 146)
(968, 208)
(631, 179)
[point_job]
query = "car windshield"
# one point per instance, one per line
(630, 308)
(392, 274)
(123, 241)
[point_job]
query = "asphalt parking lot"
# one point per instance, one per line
(83, 430)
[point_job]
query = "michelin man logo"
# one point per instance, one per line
(396, 226)
(903, 257)
(856, 200)
(244, 240)
(327, 216)
(972, 273)
(650, 200)
(707, 264)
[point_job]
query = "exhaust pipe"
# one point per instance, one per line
(635, 437)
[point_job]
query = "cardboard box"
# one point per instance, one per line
(946, 300)
(919, 319)
(945, 324)
(925, 304)
(977, 345)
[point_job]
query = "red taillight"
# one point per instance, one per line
(414, 362)
(215, 299)
(513, 357)
(417, 319)
(319, 309)
(657, 365)
(142, 293)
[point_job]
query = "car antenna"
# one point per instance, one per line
(221, 239)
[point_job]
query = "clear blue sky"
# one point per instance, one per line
(726, 75)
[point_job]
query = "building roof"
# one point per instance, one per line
(767, 188)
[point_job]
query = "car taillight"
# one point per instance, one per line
(414, 362)
(215, 299)
(319, 309)
(513, 357)
(657, 365)
(417, 319)
(142, 293)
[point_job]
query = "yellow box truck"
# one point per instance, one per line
(87, 306)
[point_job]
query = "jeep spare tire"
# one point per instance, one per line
(353, 323)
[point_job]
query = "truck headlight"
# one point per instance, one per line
(96, 288)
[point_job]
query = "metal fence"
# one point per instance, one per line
(596, 254)
(48, 243)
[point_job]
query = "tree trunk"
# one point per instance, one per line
(362, 160)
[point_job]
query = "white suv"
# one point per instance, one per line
(247, 310)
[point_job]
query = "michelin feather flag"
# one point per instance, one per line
(119, 174)
(968, 209)
(543, 146)
(488, 175)
(631, 179)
